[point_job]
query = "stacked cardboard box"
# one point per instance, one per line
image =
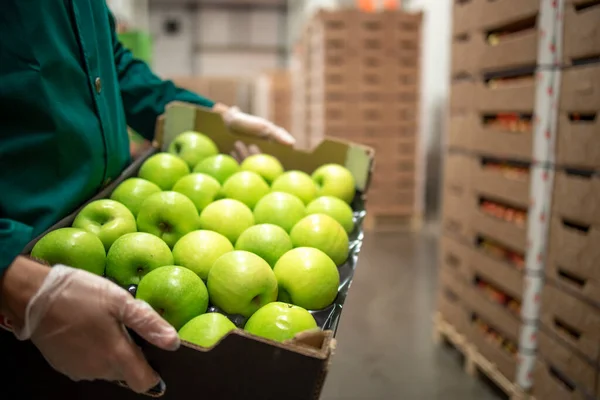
(489, 165)
(273, 97)
(231, 91)
(362, 79)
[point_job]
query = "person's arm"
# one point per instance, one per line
(14, 236)
(144, 94)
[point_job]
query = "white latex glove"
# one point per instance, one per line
(252, 125)
(77, 320)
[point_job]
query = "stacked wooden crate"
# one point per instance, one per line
(362, 84)
(496, 133)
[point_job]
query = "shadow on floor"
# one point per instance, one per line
(385, 350)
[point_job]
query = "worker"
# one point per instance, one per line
(68, 90)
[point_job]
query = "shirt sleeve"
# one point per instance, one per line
(14, 236)
(144, 94)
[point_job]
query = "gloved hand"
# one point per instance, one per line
(77, 320)
(247, 124)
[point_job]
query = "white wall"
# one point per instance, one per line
(204, 44)
(434, 87)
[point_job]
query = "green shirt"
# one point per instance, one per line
(68, 90)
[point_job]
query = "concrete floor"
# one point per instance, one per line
(385, 350)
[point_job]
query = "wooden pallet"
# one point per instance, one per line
(391, 222)
(475, 362)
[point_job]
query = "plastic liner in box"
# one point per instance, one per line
(327, 319)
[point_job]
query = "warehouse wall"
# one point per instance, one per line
(216, 41)
(435, 88)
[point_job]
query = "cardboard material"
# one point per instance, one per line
(578, 143)
(482, 305)
(508, 97)
(560, 310)
(580, 89)
(549, 386)
(452, 309)
(457, 208)
(463, 95)
(515, 51)
(574, 259)
(467, 52)
(577, 198)
(508, 233)
(458, 169)
(499, 185)
(497, 142)
(460, 131)
(559, 355)
(498, 272)
(466, 16)
(498, 13)
(581, 36)
(240, 364)
(505, 362)
(457, 256)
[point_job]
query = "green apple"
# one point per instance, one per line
(267, 241)
(335, 180)
(72, 247)
(228, 217)
(202, 189)
(220, 167)
(132, 193)
(280, 321)
(307, 277)
(297, 183)
(193, 147)
(164, 169)
(247, 187)
(107, 219)
(199, 250)
(133, 255)
(324, 233)
(336, 208)
(281, 209)
(207, 329)
(265, 165)
(241, 282)
(176, 293)
(168, 215)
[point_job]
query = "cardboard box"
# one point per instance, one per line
(466, 16)
(457, 209)
(516, 96)
(452, 310)
(580, 89)
(467, 52)
(556, 353)
(460, 131)
(241, 363)
(578, 143)
(574, 260)
(462, 95)
(489, 310)
(548, 385)
(504, 361)
(456, 256)
(458, 169)
(577, 198)
(500, 273)
(499, 13)
(517, 50)
(508, 233)
(573, 320)
(503, 186)
(581, 36)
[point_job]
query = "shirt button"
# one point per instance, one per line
(98, 83)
